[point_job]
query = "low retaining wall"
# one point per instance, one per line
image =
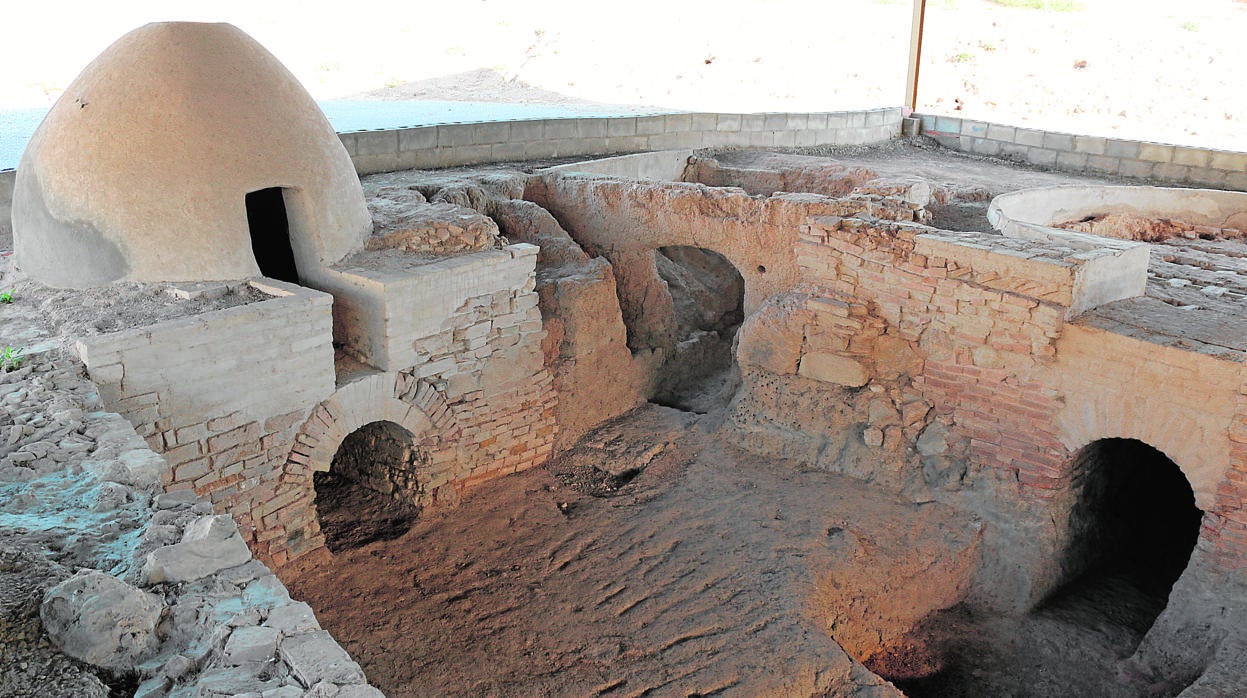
(1091, 154)
(450, 145)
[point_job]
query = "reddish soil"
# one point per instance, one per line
(649, 560)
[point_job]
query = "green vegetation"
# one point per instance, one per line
(962, 57)
(1191, 26)
(7, 296)
(10, 359)
(1046, 5)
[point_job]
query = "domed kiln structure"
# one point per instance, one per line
(184, 152)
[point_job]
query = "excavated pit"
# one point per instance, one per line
(651, 556)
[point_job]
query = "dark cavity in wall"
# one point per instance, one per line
(708, 295)
(270, 234)
(1132, 529)
(370, 490)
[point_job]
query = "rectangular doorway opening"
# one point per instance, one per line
(270, 234)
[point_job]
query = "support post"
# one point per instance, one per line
(915, 56)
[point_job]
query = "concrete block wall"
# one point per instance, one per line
(450, 145)
(221, 395)
(7, 178)
(1205, 167)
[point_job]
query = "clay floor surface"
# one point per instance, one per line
(699, 576)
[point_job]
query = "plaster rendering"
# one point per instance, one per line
(142, 170)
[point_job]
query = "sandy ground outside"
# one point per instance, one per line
(1136, 69)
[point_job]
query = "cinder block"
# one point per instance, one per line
(1228, 161)
(417, 138)
(1072, 161)
(1236, 181)
(1207, 176)
(857, 119)
(508, 152)
(981, 146)
(997, 132)
(1058, 141)
(753, 122)
(1193, 157)
(977, 129)
(839, 120)
(804, 137)
(527, 131)
(627, 144)
(492, 132)
(678, 123)
(456, 135)
(1041, 156)
(651, 125)
(1136, 168)
(705, 122)
(875, 117)
(1028, 137)
(1103, 163)
(621, 126)
(559, 129)
(383, 142)
(816, 122)
(728, 122)
(1126, 150)
(591, 128)
(786, 139)
(1156, 152)
(1089, 145)
(946, 124)
(1171, 172)
(348, 142)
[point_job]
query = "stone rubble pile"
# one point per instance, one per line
(147, 587)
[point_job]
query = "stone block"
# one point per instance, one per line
(292, 618)
(1071, 161)
(101, 620)
(315, 657)
(833, 368)
(946, 124)
(250, 644)
(998, 132)
(651, 125)
(209, 545)
(492, 132)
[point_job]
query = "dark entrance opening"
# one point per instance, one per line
(708, 295)
(370, 489)
(1131, 532)
(270, 234)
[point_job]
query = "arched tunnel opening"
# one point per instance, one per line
(369, 492)
(708, 295)
(1132, 528)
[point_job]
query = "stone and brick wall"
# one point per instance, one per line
(221, 395)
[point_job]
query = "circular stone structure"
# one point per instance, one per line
(1037, 212)
(142, 169)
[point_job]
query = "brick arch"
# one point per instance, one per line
(410, 403)
(1200, 449)
(286, 523)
